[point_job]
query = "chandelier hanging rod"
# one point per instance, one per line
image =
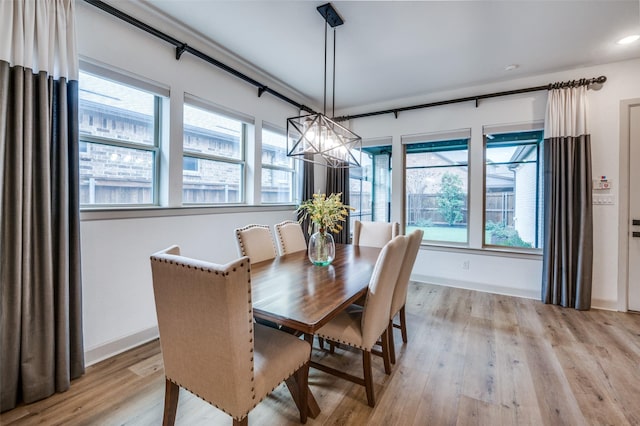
(182, 47)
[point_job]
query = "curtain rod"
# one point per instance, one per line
(557, 85)
(183, 47)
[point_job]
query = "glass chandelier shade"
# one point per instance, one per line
(318, 139)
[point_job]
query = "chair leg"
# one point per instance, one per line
(243, 422)
(321, 342)
(302, 378)
(171, 394)
(392, 344)
(385, 351)
(368, 378)
(403, 324)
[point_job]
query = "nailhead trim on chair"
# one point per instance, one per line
(277, 227)
(343, 342)
(244, 228)
(155, 259)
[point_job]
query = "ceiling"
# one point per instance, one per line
(388, 50)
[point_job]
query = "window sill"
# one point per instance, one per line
(533, 254)
(112, 213)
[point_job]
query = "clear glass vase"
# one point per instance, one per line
(322, 249)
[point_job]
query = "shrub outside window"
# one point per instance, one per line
(119, 140)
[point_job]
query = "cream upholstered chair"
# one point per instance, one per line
(362, 329)
(290, 237)
(374, 234)
(210, 344)
(399, 299)
(256, 242)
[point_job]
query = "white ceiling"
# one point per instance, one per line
(388, 50)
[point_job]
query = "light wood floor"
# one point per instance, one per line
(472, 359)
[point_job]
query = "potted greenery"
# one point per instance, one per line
(325, 215)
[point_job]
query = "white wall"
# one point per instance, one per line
(119, 311)
(118, 303)
(490, 271)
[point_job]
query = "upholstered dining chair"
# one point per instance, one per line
(256, 242)
(374, 234)
(210, 344)
(290, 237)
(399, 299)
(362, 329)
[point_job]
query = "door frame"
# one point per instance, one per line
(624, 196)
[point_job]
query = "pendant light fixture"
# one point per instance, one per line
(315, 137)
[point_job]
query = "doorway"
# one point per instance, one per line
(629, 236)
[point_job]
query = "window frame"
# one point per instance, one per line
(444, 138)
(539, 201)
(293, 169)
(242, 161)
(158, 95)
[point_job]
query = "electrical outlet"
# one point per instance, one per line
(465, 265)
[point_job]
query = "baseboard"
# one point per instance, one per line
(605, 305)
(114, 347)
(484, 287)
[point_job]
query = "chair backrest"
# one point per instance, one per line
(256, 242)
(402, 285)
(374, 234)
(290, 237)
(375, 314)
(205, 319)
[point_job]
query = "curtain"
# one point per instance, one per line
(568, 221)
(308, 184)
(338, 181)
(41, 346)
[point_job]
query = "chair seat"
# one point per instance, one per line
(345, 328)
(276, 352)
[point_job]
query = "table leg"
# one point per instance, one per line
(313, 407)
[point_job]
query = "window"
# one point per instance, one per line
(513, 201)
(213, 164)
(436, 186)
(370, 186)
(278, 172)
(118, 166)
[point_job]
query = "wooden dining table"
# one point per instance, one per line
(302, 297)
(291, 291)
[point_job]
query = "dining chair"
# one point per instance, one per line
(290, 237)
(362, 329)
(399, 300)
(210, 344)
(374, 234)
(256, 242)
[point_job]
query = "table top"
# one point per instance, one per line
(291, 291)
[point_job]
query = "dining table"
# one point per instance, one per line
(301, 297)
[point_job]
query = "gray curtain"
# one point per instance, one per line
(41, 347)
(308, 185)
(338, 181)
(568, 221)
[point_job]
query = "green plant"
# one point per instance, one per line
(505, 235)
(324, 212)
(424, 223)
(451, 198)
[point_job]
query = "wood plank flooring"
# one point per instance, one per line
(472, 359)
